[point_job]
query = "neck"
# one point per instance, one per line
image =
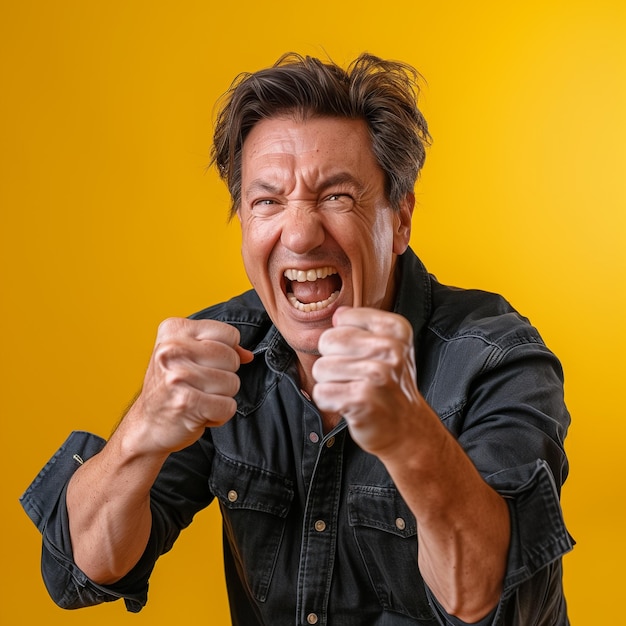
(307, 382)
(305, 371)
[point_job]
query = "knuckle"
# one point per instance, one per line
(174, 377)
(166, 352)
(219, 331)
(223, 383)
(406, 330)
(170, 326)
(399, 327)
(235, 386)
(231, 407)
(182, 401)
(219, 410)
(235, 334)
(380, 372)
(396, 359)
(232, 362)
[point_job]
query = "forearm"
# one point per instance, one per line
(463, 524)
(108, 503)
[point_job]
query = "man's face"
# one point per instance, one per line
(317, 229)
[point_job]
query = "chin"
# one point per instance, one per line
(305, 343)
(307, 351)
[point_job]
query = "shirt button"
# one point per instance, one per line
(232, 495)
(314, 437)
(400, 524)
(330, 443)
(311, 618)
(320, 525)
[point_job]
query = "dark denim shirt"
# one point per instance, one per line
(315, 531)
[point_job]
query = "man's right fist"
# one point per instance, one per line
(189, 385)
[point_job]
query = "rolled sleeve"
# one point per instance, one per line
(533, 587)
(41, 497)
(539, 539)
(44, 503)
(538, 532)
(509, 415)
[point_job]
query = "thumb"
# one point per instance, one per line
(245, 356)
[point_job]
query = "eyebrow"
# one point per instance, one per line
(259, 185)
(340, 178)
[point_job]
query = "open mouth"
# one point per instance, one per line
(313, 289)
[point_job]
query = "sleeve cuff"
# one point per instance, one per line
(538, 533)
(42, 495)
(44, 502)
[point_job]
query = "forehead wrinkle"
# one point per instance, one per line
(342, 178)
(317, 184)
(264, 186)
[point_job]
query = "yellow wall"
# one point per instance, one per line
(110, 223)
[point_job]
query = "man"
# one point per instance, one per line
(385, 450)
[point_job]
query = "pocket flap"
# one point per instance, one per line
(241, 486)
(382, 508)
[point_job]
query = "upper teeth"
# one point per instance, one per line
(311, 275)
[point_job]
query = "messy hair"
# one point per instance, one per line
(380, 92)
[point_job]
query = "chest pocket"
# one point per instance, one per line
(386, 534)
(254, 504)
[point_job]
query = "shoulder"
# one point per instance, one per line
(463, 313)
(478, 356)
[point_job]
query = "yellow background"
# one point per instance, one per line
(110, 223)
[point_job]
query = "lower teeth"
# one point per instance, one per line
(312, 306)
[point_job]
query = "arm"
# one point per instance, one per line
(367, 373)
(463, 524)
(189, 385)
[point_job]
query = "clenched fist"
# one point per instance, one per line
(189, 385)
(366, 372)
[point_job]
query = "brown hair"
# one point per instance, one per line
(383, 93)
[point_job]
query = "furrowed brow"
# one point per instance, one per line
(342, 178)
(262, 186)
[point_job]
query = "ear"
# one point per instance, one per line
(402, 230)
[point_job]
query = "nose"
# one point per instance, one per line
(302, 229)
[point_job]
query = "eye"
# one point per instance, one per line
(265, 206)
(339, 201)
(338, 197)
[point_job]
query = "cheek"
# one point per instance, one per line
(249, 238)
(376, 251)
(381, 239)
(256, 248)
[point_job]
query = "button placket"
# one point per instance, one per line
(318, 549)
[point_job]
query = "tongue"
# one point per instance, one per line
(316, 291)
